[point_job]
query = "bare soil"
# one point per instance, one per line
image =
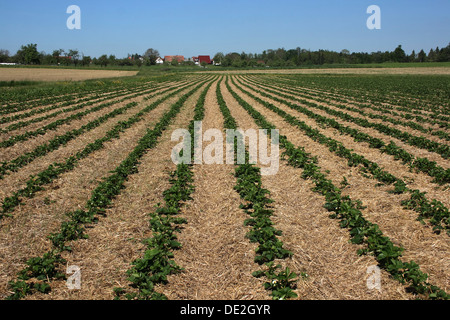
(38, 74)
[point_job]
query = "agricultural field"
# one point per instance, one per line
(357, 210)
(49, 74)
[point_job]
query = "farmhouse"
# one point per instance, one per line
(200, 59)
(171, 58)
(197, 60)
(205, 59)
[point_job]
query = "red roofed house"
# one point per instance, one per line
(171, 58)
(206, 59)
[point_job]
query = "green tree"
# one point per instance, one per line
(4, 55)
(74, 56)
(431, 56)
(437, 54)
(399, 54)
(28, 54)
(218, 58)
(412, 57)
(422, 56)
(103, 60)
(444, 55)
(112, 60)
(86, 61)
(56, 55)
(138, 62)
(151, 54)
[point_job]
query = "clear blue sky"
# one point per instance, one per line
(209, 26)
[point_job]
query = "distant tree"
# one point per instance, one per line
(4, 56)
(236, 63)
(292, 56)
(444, 54)
(74, 56)
(103, 60)
(344, 56)
(28, 54)
(437, 54)
(151, 54)
(412, 57)
(218, 58)
(280, 54)
(399, 54)
(46, 59)
(422, 56)
(138, 62)
(86, 61)
(124, 62)
(431, 56)
(57, 55)
(264, 55)
(112, 60)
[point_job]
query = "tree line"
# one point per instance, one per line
(29, 55)
(298, 57)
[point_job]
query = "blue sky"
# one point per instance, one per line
(206, 27)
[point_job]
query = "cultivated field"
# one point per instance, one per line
(42, 74)
(358, 208)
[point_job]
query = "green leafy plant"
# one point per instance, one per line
(281, 283)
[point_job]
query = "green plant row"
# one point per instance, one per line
(435, 107)
(319, 97)
(30, 98)
(68, 100)
(122, 93)
(441, 176)
(405, 111)
(23, 124)
(442, 149)
(349, 213)
(71, 102)
(45, 93)
(101, 198)
(157, 262)
(379, 90)
(54, 125)
(257, 206)
(435, 211)
(56, 142)
(54, 170)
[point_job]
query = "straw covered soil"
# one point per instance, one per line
(42, 74)
(216, 256)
